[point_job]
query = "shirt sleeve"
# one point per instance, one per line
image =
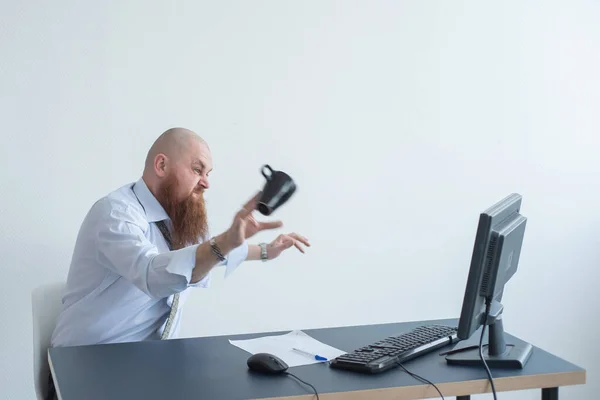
(235, 258)
(123, 247)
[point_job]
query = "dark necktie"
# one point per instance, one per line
(167, 235)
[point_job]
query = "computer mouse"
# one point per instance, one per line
(266, 363)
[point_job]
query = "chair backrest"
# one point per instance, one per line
(46, 303)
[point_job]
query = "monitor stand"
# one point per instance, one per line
(496, 353)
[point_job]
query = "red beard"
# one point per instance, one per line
(188, 217)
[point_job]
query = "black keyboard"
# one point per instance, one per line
(389, 352)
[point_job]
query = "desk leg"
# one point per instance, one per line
(550, 393)
(467, 397)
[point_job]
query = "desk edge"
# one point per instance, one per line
(452, 389)
(54, 380)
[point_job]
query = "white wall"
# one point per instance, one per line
(400, 121)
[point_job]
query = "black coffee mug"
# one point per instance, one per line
(278, 189)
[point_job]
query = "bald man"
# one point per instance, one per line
(141, 247)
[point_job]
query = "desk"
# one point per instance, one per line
(212, 368)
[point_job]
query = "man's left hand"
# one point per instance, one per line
(284, 242)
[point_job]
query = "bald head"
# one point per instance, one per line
(178, 155)
(173, 143)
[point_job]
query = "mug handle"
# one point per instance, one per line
(262, 170)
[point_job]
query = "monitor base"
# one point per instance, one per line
(497, 353)
(514, 357)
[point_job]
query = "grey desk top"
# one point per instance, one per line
(212, 368)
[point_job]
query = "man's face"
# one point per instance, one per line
(192, 170)
(182, 194)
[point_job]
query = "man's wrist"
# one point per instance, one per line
(264, 255)
(223, 245)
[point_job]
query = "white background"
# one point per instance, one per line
(399, 120)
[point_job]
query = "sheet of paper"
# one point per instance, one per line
(282, 346)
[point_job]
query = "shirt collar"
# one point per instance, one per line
(154, 211)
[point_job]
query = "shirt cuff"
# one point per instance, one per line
(235, 258)
(183, 262)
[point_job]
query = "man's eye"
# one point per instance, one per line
(198, 171)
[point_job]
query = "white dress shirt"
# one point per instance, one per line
(122, 275)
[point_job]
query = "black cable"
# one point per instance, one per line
(306, 383)
(487, 369)
(421, 379)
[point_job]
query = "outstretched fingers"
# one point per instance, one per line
(287, 242)
(300, 238)
(270, 225)
(250, 205)
(295, 240)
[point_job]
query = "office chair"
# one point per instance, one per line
(46, 302)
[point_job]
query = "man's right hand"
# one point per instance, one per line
(244, 226)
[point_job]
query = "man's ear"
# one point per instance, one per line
(160, 165)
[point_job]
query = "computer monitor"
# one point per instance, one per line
(494, 261)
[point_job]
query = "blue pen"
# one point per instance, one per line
(306, 353)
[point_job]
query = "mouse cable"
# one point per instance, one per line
(421, 379)
(306, 383)
(488, 305)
